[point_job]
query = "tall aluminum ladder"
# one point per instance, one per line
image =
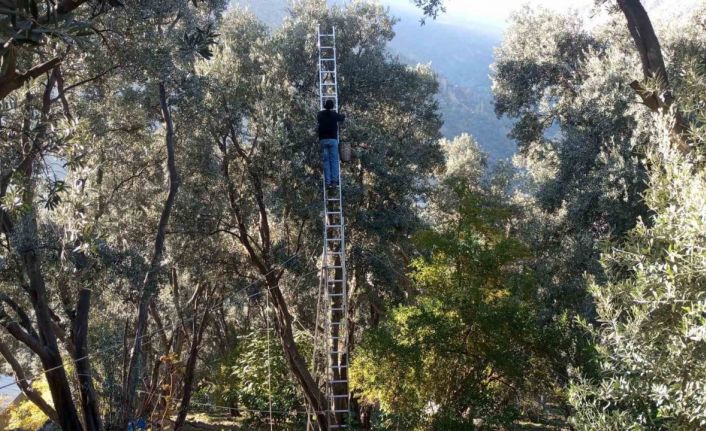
(334, 260)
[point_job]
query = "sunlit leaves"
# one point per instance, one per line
(650, 335)
(470, 335)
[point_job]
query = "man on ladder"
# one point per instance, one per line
(328, 120)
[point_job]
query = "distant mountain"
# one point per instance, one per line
(460, 55)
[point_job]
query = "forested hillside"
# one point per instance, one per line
(162, 222)
(461, 56)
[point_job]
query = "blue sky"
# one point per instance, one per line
(494, 13)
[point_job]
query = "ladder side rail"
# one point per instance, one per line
(342, 359)
(335, 73)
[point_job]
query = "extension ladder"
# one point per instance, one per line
(334, 260)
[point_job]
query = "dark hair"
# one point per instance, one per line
(329, 104)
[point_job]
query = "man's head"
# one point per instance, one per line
(328, 104)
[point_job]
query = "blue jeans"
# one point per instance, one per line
(330, 160)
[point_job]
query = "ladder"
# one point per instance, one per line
(333, 270)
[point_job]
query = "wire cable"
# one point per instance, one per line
(151, 334)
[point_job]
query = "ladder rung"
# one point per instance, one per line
(334, 213)
(338, 338)
(335, 267)
(340, 411)
(337, 323)
(335, 295)
(337, 309)
(334, 239)
(327, 47)
(336, 382)
(334, 226)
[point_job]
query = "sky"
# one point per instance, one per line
(495, 12)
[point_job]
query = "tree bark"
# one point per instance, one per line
(283, 320)
(12, 80)
(89, 400)
(196, 339)
(25, 385)
(24, 241)
(50, 357)
(653, 68)
(295, 361)
(150, 285)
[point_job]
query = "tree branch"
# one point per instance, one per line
(150, 283)
(24, 384)
(24, 318)
(12, 80)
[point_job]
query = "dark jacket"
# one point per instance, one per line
(328, 124)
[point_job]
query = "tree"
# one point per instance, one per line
(27, 25)
(578, 134)
(53, 174)
(646, 330)
(468, 346)
(262, 102)
(650, 330)
(655, 90)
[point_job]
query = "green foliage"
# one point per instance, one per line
(578, 132)
(24, 415)
(651, 331)
(468, 343)
(250, 374)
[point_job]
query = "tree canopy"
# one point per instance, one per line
(161, 222)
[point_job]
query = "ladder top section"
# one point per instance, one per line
(332, 34)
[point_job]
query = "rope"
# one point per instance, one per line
(269, 367)
(320, 295)
(240, 409)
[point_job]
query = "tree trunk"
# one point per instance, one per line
(26, 241)
(150, 285)
(653, 68)
(24, 385)
(196, 339)
(260, 258)
(297, 365)
(51, 358)
(89, 401)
